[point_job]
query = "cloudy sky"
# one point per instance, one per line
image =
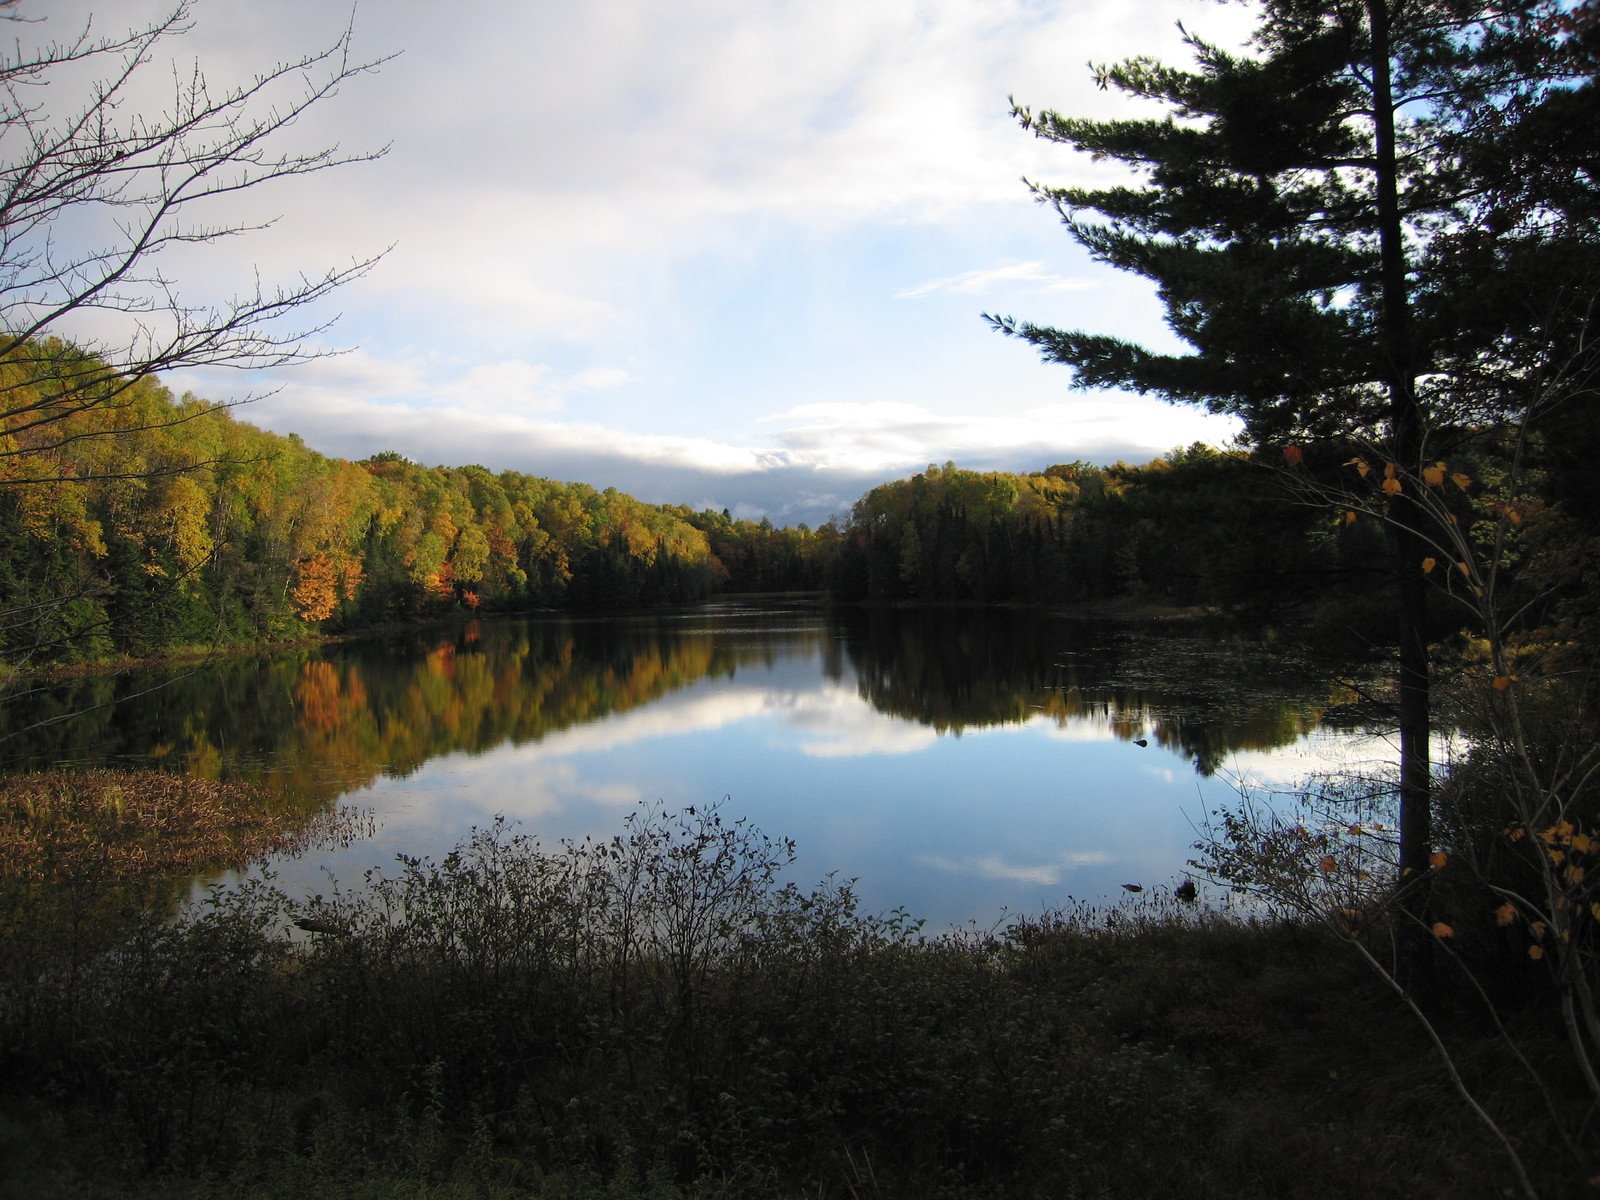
(730, 253)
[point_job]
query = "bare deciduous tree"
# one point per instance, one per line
(99, 196)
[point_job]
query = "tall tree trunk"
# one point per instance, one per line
(1405, 428)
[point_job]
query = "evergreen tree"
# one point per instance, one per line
(1320, 214)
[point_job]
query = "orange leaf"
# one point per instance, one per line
(1594, 909)
(1437, 859)
(1464, 569)
(1328, 865)
(1561, 831)
(1349, 518)
(1538, 929)
(1502, 682)
(1428, 564)
(1505, 914)
(1461, 481)
(1391, 487)
(1291, 455)
(1536, 952)
(1360, 464)
(1582, 843)
(1433, 476)
(1441, 930)
(1513, 516)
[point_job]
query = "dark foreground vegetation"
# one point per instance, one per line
(663, 1015)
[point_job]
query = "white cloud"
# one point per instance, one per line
(893, 437)
(599, 379)
(986, 280)
(514, 387)
(684, 218)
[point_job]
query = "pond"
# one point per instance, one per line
(959, 764)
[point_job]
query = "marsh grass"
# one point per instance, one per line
(133, 827)
(660, 1015)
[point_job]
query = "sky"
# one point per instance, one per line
(726, 253)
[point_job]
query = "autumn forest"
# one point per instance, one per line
(155, 524)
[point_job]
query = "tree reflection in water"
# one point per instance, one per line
(845, 727)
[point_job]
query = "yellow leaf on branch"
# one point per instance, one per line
(1461, 481)
(1428, 564)
(1433, 476)
(1360, 464)
(1438, 859)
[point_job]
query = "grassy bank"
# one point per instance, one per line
(659, 1016)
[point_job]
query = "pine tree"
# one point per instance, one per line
(1331, 232)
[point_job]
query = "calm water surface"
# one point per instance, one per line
(958, 764)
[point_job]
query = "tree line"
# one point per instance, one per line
(164, 523)
(1167, 531)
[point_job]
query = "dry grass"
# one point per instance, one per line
(132, 826)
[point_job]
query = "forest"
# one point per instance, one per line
(194, 530)
(160, 524)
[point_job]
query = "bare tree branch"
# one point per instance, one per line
(143, 185)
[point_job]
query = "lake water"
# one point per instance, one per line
(959, 764)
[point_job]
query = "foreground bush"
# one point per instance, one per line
(663, 1014)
